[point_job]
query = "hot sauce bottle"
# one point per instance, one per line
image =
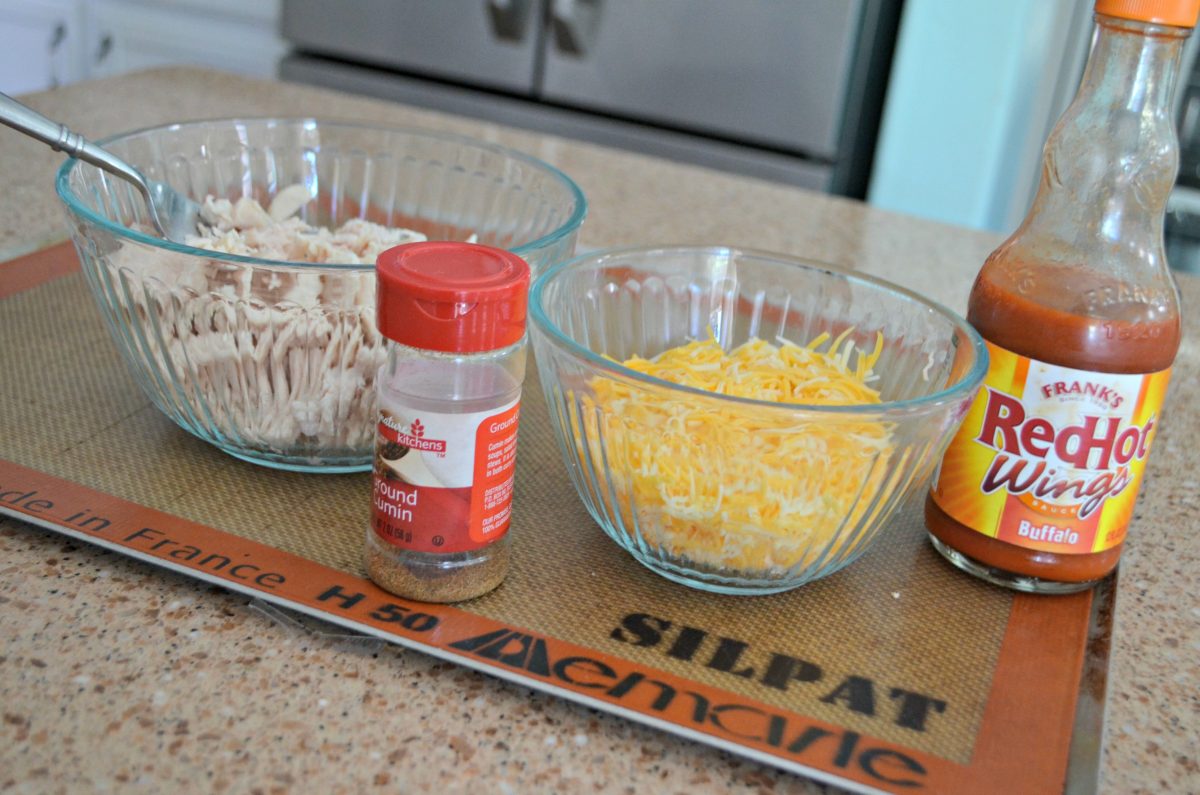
(1081, 318)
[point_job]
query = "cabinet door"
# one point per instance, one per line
(128, 35)
(769, 71)
(484, 42)
(42, 44)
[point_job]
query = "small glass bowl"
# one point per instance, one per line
(700, 508)
(275, 362)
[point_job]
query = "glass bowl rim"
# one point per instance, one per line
(966, 385)
(70, 199)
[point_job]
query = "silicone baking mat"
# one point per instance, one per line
(896, 674)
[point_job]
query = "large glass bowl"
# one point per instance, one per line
(697, 486)
(275, 362)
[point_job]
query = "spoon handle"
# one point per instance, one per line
(61, 139)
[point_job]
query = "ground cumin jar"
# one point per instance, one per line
(1081, 318)
(453, 315)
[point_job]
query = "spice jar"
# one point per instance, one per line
(453, 315)
(1081, 318)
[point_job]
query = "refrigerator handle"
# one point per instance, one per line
(510, 18)
(574, 23)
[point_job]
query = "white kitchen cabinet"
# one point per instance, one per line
(41, 44)
(45, 43)
(125, 35)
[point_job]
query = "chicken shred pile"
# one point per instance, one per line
(278, 359)
(244, 227)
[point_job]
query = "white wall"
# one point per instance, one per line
(975, 87)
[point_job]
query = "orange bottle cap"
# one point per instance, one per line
(1178, 13)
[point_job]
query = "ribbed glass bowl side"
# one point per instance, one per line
(628, 463)
(277, 383)
(275, 362)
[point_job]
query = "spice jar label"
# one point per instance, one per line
(1050, 458)
(443, 482)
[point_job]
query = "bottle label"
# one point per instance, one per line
(444, 482)
(1050, 458)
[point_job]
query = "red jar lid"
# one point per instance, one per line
(451, 297)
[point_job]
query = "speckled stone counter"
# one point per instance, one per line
(117, 676)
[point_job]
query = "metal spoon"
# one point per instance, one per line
(173, 214)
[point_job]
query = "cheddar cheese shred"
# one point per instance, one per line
(743, 488)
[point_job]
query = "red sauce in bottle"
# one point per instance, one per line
(1048, 328)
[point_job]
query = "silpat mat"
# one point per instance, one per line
(895, 674)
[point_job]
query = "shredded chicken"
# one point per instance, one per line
(244, 227)
(277, 359)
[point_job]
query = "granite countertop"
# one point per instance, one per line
(103, 657)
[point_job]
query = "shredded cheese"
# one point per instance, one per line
(743, 488)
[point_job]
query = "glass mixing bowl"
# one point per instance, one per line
(275, 362)
(731, 494)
